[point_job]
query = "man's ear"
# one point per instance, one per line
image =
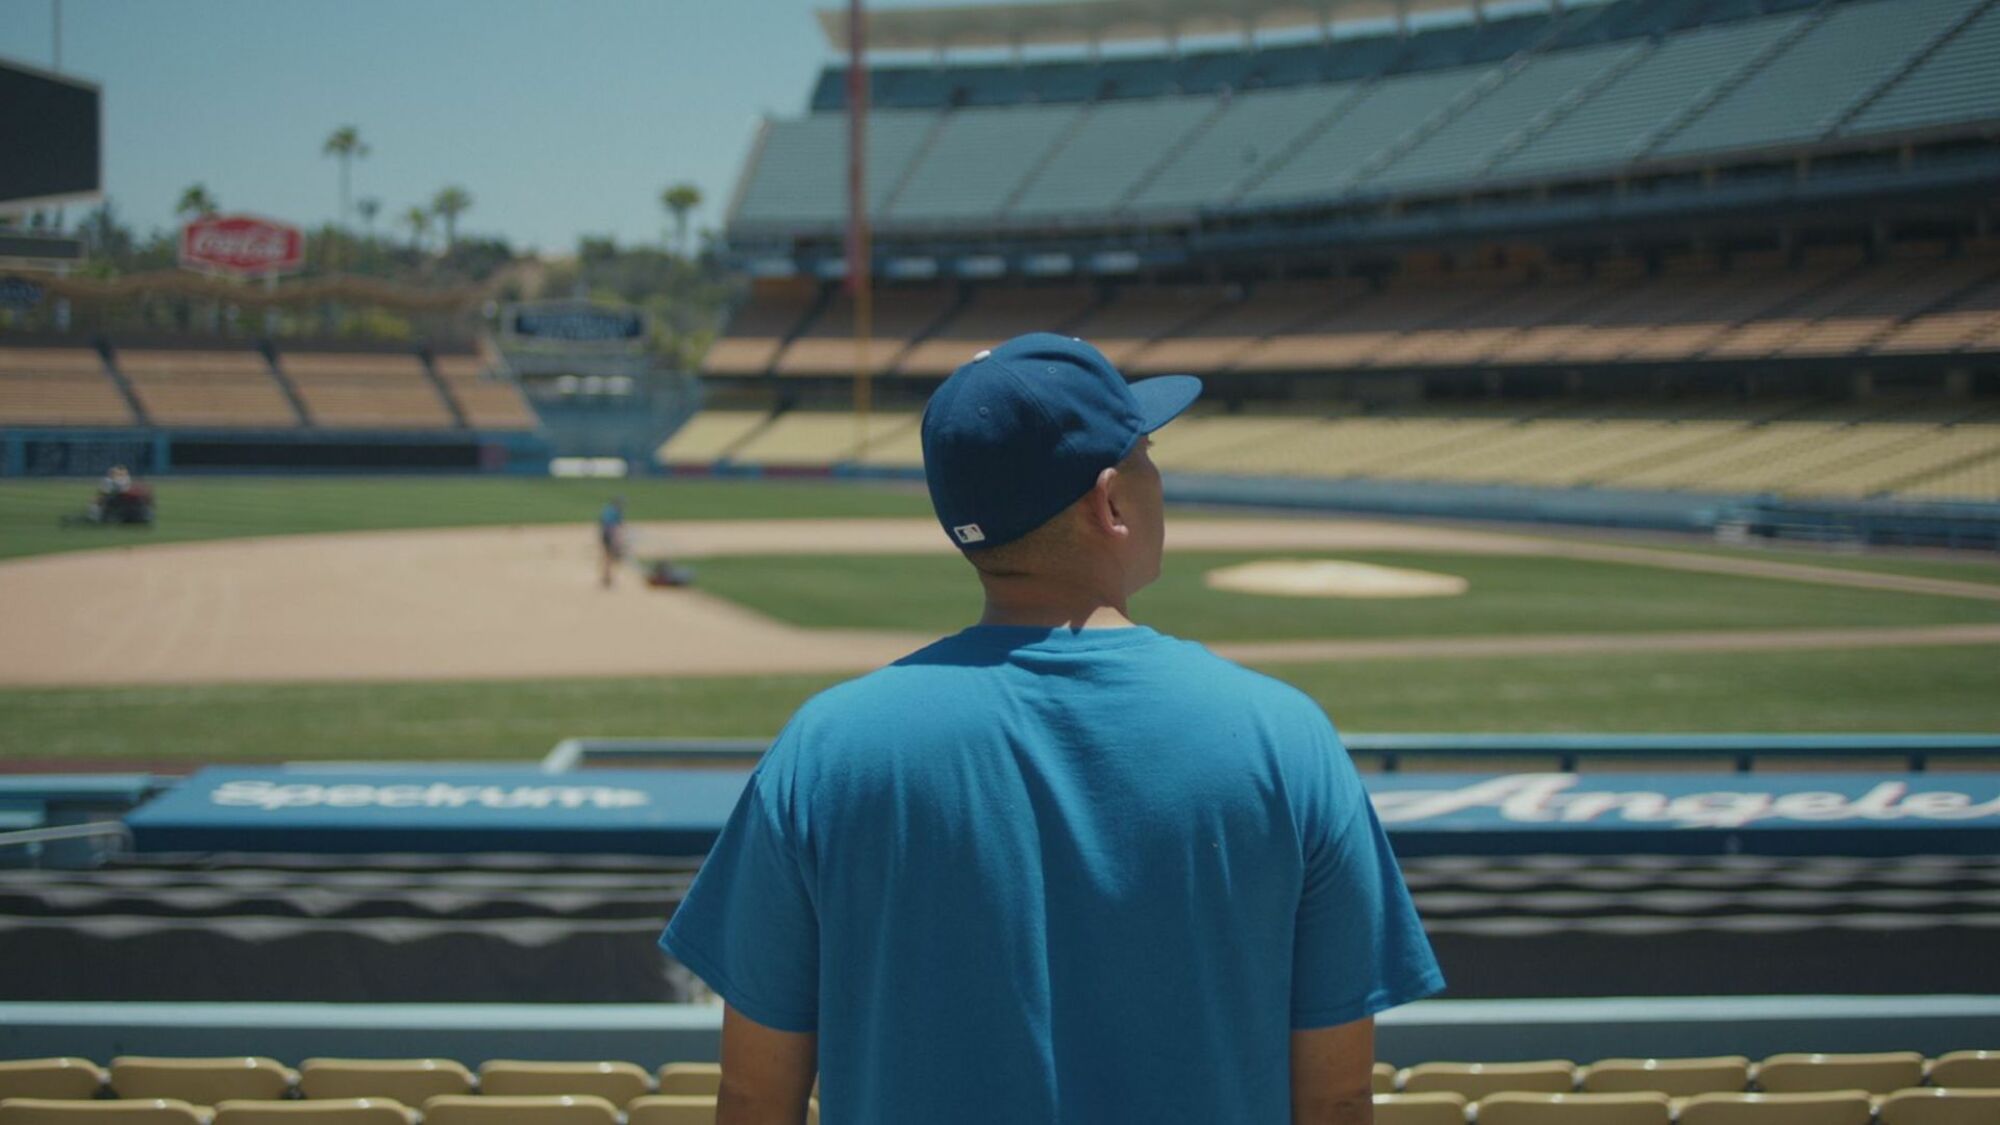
(1104, 513)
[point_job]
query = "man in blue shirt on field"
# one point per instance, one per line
(1057, 867)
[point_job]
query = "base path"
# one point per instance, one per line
(523, 603)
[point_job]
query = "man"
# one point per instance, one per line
(610, 539)
(1057, 867)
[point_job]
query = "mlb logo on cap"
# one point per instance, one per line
(1023, 430)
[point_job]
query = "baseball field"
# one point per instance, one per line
(351, 619)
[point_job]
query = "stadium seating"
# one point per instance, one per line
(1955, 81)
(1616, 122)
(1108, 155)
(711, 435)
(234, 388)
(1979, 1069)
(487, 404)
(201, 1081)
(58, 387)
(1673, 1077)
(1419, 1109)
(690, 1079)
(1219, 341)
(409, 1081)
(51, 1078)
(898, 317)
(990, 317)
(133, 1111)
(615, 1082)
(1473, 1081)
(1574, 1109)
(1140, 314)
(1934, 1106)
(1590, 90)
(1845, 1107)
(1807, 89)
(760, 327)
(452, 1109)
(801, 438)
(343, 1111)
(1813, 1073)
(375, 391)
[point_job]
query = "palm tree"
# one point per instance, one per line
(448, 204)
(345, 145)
(419, 222)
(369, 206)
(680, 199)
(195, 200)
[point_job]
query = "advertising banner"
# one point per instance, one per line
(680, 811)
(242, 244)
(573, 322)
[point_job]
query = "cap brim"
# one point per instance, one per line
(1163, 397)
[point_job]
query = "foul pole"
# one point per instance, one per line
(860, 254)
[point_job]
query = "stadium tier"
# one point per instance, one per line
(1621, 88)
(208, 389)
(388, 391)
(59, 387)
(1832, 306)
(484, 403)
(1893, 1088)
(250, 389)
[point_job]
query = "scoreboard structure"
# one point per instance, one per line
(51, 128)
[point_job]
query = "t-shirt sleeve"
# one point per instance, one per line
(748, 926)
(1358, 946)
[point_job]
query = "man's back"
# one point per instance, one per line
(1053, 875)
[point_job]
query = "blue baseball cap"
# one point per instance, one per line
(1022, 431)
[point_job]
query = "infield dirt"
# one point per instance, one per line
(510, 603)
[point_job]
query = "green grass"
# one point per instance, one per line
(1915, 689)
(226, 509)
(1971, 566)
(1507, 595)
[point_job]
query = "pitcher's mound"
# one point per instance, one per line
(1331, 578)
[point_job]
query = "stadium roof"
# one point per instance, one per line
(1111, 21)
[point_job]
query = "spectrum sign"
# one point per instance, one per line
(246, 245)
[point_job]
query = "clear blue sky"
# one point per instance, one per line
(561, 118)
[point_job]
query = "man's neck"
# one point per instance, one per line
(1051, 610)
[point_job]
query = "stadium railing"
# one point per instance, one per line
(1392, 751)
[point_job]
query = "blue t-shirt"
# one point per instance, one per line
(1042, 875)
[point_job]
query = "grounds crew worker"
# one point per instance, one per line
(1056, 867)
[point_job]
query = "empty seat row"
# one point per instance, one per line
(211, 1081)
(1925, 1106)
(1491, 318)
(444, 1109)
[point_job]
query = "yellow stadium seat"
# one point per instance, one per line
(131, 1111)
(1574, 1109)
(700, 1078)
(474, 1109)
(1806, 1073)
(202, 1081)
(50, 1078)
(671, 1109)
(1383, 1081)
(1677, 1078)
(1940, 1105)
(1834, 1107)
(332, 1111)
(409, 1081)
(1979, 1069)
(1419, 1109)
(1476, 1080)
(616, 1082)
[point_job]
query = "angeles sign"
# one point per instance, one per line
(242, 244)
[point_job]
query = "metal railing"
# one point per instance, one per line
(1391, 752)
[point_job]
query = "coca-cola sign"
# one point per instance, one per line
(242, 244)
